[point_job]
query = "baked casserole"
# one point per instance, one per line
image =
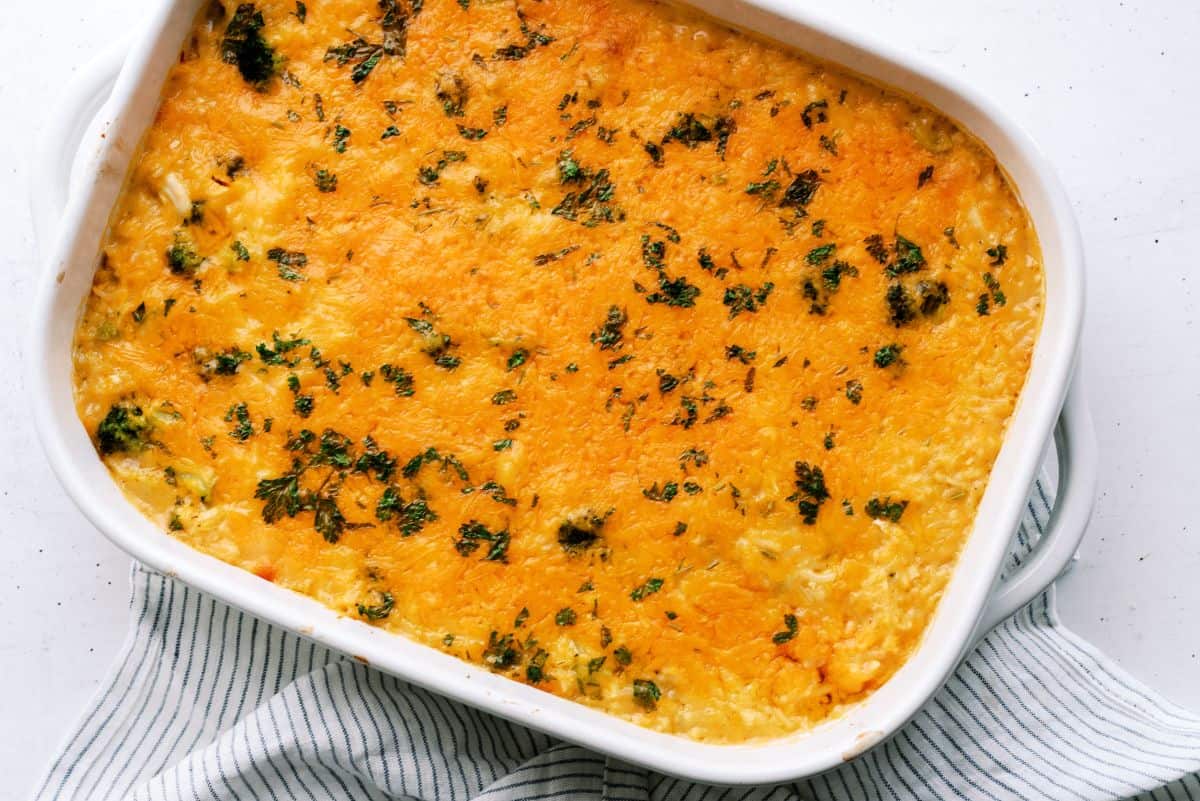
(638, 359)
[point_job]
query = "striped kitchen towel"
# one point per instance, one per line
(208, 703)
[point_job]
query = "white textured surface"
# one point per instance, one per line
(1108, 89)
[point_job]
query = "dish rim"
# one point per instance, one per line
(948, 636)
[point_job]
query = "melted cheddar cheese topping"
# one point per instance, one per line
(656, 366)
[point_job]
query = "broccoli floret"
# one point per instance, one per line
(181, 256)
(124, 429)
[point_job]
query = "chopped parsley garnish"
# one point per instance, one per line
(286, 495)
(694, 456)
(393, 25)
(885, 509)
(240, 415)
(692, 130)
(888, 355)
(565, 617)
(374, 460)
(648, 587)
(814, 112)
(854, 391)
(590, 200)
(399, 378)
(646, 694)
(766, 188)
(674, 292)
(741, 354)
(998, 296)
(743, 298)
(502, 653)
(452, 92)
(516, 359)
(503, 397)
(325, 181)
(274, 353)
(900, 305)
(432, 456)
(239, 251)
(410, 516)
(998, 254)
(225, 362)
(341, 136)
(473, 533)
(286, 260)
(437, 346)
(810, 492)
(303, 405)
(611, 333)
(801, 190)
(430, 175)
(533, 40)
(378, 611)
(535, 671)
(665, 494)
(790, 627)
(876, 248)
(909, 258)
(543, 259)
(244, 46)
(820, 255)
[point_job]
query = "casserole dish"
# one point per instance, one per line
(1052, 361)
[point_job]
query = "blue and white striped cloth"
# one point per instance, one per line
(208, 703)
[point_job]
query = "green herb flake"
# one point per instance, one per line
(646, 588)
(790, 627)
(240, 416)
(325, 181)
(472, 533)
(646, 694)
(243, 46)
(888, 355)
(885, 509)
(665, 494)
(811, 491)
(341, 136)
(744, 298)
(378, 611)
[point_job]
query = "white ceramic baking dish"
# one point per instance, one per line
(973, 601)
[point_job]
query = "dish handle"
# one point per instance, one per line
(1075, 443)
(72, 116)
